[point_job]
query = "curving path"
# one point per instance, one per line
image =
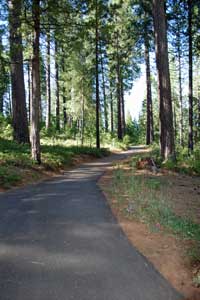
(59, 241)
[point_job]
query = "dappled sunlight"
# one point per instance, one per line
(60, 238)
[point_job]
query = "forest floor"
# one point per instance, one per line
(39, 173)
(173, 247)
(17, 169)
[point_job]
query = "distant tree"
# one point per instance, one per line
(36, 93)
(4, 76)
(190, 47)
(48, 80)
(97, 72)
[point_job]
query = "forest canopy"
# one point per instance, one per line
(67, 65)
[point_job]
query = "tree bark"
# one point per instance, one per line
(35, 104)
(119, 99)
(198, 113)
(29, 90)
(191, 134)
(122, 107)
(180, 84)
(64, 107)
(97, 74)
(3, 85)
(149, 129)
(162, 62)
(111, 113)
(104, 96)
(20, 121)
(48, 82)
(57, 88)
(83, 117)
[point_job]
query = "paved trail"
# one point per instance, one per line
(59, 241)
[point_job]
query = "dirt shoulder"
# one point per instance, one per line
(168, 253)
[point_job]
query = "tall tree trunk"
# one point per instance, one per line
(111, 113)
(119, 100)
(2, 76)
(175, 122)
(198, 113)
(104, 96)
(57, 88)
(122, 107)
(180, 84)
(162, 62)
(191, 134)
(83, 117)
(149, 129)
(48, 81)
(35, 104)
(9, 100)
(64, 107)
(29, 90)
(97, 74)
(20, 122)
(64, 94)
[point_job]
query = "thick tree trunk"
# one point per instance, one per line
(149, 129)
(166, 115)
(104, 96)
(35, 104)
(97, 75)
(57, 88)
(48, 82)
(191, 134)
(20, 122)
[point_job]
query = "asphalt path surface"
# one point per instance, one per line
(60, 241)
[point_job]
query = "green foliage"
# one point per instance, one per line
(127, 140)
(184, 163)
(132, 130)
(5, 127)
(9, 176)
(14, 154)
(14, 157)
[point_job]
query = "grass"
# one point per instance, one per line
(143, 198)
(15, 157)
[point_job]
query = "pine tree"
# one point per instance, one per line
(20, 122)
(36, 93)
(166, 115)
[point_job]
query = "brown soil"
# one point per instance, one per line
(165, 251)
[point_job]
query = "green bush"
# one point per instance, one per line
(6, 130)
(9, 177)
(127, 140)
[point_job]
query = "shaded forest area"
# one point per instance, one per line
(66, 66)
